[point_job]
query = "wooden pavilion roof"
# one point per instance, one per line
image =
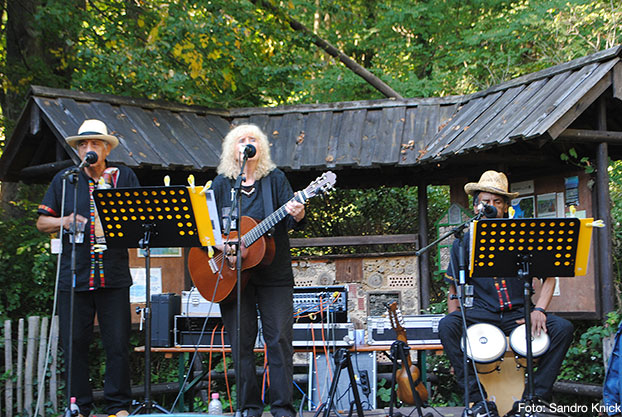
(522, 124)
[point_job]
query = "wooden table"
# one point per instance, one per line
(183, 352)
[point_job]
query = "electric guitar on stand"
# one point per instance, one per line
(216, 278)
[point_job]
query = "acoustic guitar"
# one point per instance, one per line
(216, 278)
(404, 390)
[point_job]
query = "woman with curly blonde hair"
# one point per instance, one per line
(229, 164)
(270, 288)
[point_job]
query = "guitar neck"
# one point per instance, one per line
(268, 223)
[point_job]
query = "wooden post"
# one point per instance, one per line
(8, 367)
(424, 258)
(33, 332)
(20, 366)
(43, 334)
(604, 213)
(54, 363)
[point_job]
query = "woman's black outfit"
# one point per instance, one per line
(268, 293)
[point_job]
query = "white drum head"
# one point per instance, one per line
(518, 342)
(486, 343)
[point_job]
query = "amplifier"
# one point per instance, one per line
(198, 331)
(364, 365)
(420, 330)
(163, 308)
(193, 304)
(321, 304)
(323, 334)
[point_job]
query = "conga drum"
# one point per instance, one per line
(490, 350)
(518, 342)
(486, 345)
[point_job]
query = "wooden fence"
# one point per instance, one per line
(25, 375)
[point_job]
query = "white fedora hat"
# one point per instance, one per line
(93, 129)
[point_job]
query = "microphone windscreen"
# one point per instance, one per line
(91, 157)
(490, 211)
(250, 151)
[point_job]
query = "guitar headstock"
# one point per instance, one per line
(395, 316)
(322, 184)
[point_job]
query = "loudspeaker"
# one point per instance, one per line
(364, 366)
(164, 307)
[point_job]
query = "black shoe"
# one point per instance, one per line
(519, 409)
(479, 409)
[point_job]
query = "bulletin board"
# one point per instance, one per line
(547, 197)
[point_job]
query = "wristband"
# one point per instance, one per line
(540, 309)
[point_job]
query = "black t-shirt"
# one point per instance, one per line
(279, 272)
(115, 261)
(494, 294)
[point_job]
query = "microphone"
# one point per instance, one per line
(89, 159)
(249, 151)
(489, 211)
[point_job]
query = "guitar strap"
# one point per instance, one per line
(268, 208)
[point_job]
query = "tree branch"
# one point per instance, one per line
(359, 70)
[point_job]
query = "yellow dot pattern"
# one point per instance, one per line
(550, 243)
(124, 211)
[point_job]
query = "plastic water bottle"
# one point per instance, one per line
(73, 407)
(214, 407)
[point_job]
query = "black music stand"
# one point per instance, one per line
(530, 248)
(149, 217)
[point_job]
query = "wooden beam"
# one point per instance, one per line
(591, 136)
(605, 247)
(424, 259)
(580, 106)
(617, 81)
(353, 240)
(55, 93)
(45, 169)
(358, 69)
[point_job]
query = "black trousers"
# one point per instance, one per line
(275, 306)
(112, 306)
(559, 331)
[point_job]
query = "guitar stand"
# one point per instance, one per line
(342, 360)
(399, 351)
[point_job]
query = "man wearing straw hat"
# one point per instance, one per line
(102, 275)
(499, 301)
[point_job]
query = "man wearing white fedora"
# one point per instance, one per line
(499, 301)
(102, 275)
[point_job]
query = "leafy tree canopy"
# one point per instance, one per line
(233, 53)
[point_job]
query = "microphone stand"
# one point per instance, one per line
(458, 232)
(236, 214)
(73, 175)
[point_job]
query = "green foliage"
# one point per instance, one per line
(573, 158)
(615, 189)
(584, 360)
(376, 211)
(231, 53)
(383, 392)
(26, 265)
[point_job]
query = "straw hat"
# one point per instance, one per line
(93, 129)
(491, 182)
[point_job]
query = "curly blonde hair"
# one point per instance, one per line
(228, 165)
